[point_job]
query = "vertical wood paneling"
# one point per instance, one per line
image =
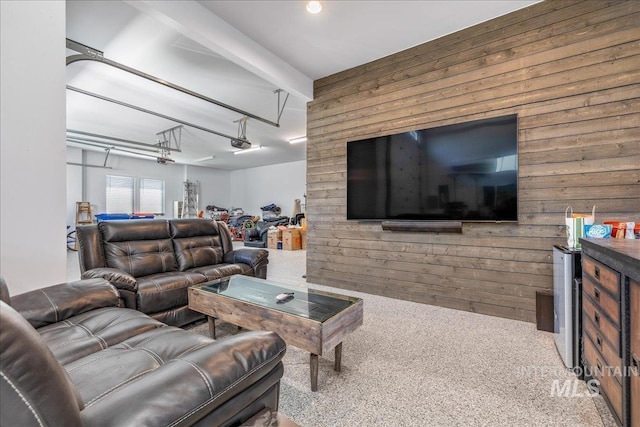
(569, 69)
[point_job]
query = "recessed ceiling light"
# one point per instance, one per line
(259, 147)
(314, 7)
(296, 140)
(204, 159)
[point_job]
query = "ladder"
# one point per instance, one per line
(83, 213)
(190, 199)
(83, 216)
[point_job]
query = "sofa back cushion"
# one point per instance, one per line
(35, 388)
(90, 247)
(4, 291)
(138, 247)
(196, 243)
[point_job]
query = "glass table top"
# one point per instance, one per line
(307, 303)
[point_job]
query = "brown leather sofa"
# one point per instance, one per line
(154, 262)
(69, 356)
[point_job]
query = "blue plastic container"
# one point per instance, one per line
(111, 216)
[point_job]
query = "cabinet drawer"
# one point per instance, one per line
(610, 357)
(635, 400)
(602, 324)
(634, 329)
(604, 276)
(608, 385)
(602, 300)
(634, 316)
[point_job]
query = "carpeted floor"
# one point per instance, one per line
(412, 364)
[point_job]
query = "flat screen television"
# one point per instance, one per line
(461, 172)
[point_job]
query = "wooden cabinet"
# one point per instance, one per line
(601, 329)
(611, 323)
(634, 330)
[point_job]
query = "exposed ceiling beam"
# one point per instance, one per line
(196, 22)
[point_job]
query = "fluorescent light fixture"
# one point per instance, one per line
(203, 159)
(259, 147)
(314, 7)
(297, 140)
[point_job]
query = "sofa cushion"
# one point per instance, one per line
(139, 229)
(130, 358)
(56, 303)
(185, 228)
(213, 272)
(139, 247)
(196, 243)
(197, 251)
(141, 257)
(95, 330)
(160, 292)
(176, 376)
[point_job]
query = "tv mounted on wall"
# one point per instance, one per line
(461, 172)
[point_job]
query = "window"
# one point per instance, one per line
(119, 194)
(151, 195)
(121, 197)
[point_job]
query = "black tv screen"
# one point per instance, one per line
(461, 172)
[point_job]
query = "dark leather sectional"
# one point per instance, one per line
(71, 357)
(152, 263)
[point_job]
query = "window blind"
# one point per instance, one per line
(152, 195)
(119, 194)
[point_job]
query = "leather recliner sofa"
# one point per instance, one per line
(152, 263)
(69, 356)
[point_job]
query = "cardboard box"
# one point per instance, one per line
(291, 239)
(273, 237)
(303, 239)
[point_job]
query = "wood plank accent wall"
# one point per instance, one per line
(569, 69)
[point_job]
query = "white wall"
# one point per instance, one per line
(215, 186)
(248, 188)
(35, 208)
(214, 183)
(280, 184)
(32, 144)
(74, 184)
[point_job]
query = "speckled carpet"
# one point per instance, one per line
(412, 364)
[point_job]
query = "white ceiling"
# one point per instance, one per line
(238, 53)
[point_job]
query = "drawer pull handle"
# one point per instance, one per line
(596, 294)
(599, 340)
(597, 272)
(596, 318)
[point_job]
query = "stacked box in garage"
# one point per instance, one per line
(273, 237)
(291, 239)
(303, 239)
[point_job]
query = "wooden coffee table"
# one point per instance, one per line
(314, 321)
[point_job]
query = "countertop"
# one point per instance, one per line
(622, 255)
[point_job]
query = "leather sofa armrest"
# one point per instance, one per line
(250, 256)
(56, 303)
(194, 384)
(118, 278)
(256, 258)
